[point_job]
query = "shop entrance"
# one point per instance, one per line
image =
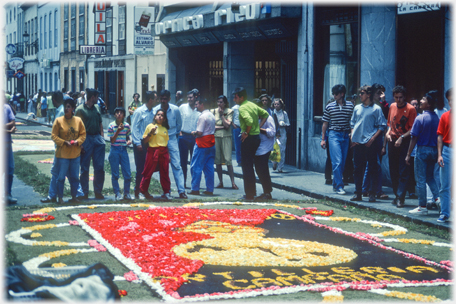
(420, 52)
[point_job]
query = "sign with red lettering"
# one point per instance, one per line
(100, 23)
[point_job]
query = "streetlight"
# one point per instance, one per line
(26, 37)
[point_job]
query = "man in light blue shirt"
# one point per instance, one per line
(189, 116)
(175, 124)
(143, 116)
(367, 124)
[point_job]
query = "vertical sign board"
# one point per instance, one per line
(144, 30)
(100, 23)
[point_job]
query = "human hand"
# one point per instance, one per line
(440, 161)
(398, 142)
(323, 144)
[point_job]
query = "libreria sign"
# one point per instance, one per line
(221, 17)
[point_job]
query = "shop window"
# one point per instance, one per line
(336, 52)
(267, 77)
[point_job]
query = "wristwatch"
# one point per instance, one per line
(402, 136)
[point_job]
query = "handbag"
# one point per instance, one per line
(275, 153)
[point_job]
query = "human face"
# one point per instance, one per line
(414, 103)
(450, 99)
(277, 105)
(159, 117)
(191, 99)
(265, 102)
(220, 103)
(399, 98)
(68, 110)
(164, 101)
(424, 104)
(378, 95)
(237, 99)
(364, 97)
(339, 97)
(136, 97)
(119, 116)
(199, 106)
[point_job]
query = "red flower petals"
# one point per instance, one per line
(320, 212)
(38, 218)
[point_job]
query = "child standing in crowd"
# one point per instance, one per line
(283, 123)
(119, 133)
(156, 134)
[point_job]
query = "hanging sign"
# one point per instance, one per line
(100, 23)
(16, 63)
(144, 29)
(417, 7)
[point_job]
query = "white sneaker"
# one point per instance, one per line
(118, 197)
(341, 191)
(127, 197)
(419, 210)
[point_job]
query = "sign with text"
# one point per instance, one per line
(144, 25)
(16, 63)
(417, 7)
(92, 49)
(100, 23)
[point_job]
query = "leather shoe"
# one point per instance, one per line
(99, 196)
(147, 196)
(372, 198)
(208, 193)
(395, 201)
(183, 195)
(247, 198)
(11, 200)
(74, 200)
(48, 200)
(400, 204)
(193, 192)
(219, 186)
(84, 197)
(356, 198)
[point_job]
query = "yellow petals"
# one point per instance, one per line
(92, 207)
(415, 241)
(393, 232)
(54, 243)
(58, 265)
(40, 227)
(412, 296)
(44, 210)
(333, 299)
(59, 253)
(35, 235)
(344, 219)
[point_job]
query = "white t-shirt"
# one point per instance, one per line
(206, 123)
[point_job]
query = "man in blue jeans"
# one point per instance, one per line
(367, 124)
(337, 116)
(93, 147)
(142, 117)
(189, 116)
(10, 121)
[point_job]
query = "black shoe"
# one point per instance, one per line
(395, 201)
(356, 198)
(74, 200)
(99, 196)
(208, 193)
(183, 195)
(11, 200)
(147, 196)
(400, 204)
(247, 198)
(48, 200)
(372, 198)
(328, 182)
(194, 192)
(264, 197)
(84, 197)
(365, 194)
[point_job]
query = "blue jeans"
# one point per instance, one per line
(10, 166)
(425, 159)
(203, 161)
(140, 160)
(186, 144)
(94, 149)
(338, 145)
(118, 155)
(367, 179)
(174, 157)
(237, 144)
(362, 156)
(445, 182)
(52, 193)
(70, 167)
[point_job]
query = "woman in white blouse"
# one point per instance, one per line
(281, 135)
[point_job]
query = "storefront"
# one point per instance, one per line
(217, 49)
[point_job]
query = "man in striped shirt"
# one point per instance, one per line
(337, 117)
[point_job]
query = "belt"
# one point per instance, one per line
(93, 133)
(185, 133)
(447, 145)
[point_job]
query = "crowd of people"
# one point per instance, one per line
(162, 134)
(416, 135)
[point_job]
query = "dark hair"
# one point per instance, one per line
(448, 93)
(376, 87)
(136, 94)
(202, 100)
(282, 104)
(120, 109)
(338, 88)
(91, 92)
(265, 95)
(75, 95)
(399, 89)
(225, 100)
(165, 93)
(57, 97)
(194, 92)
(432, 98)
(241, 92)
(165, 123)
(70, 101)
(150, 95)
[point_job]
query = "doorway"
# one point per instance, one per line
(420, 52)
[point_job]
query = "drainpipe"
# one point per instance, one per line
(307, 96)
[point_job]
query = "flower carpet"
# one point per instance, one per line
(211, 251)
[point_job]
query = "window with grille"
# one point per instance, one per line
(267, 76)
(81, 23)
(73, 27)
(65, 27)
(50, 30)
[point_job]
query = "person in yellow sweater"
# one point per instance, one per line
(68, 133)
(156, 134)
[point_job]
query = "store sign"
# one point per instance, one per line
(221, 17)
(417, 7)
(10, 49)
(119, 63)
(16, 63)
(19, 74)
(144, 26)
(92, 50)
(100, 23)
